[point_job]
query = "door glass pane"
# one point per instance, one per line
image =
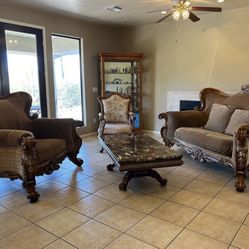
(67, 77)
(23, 65)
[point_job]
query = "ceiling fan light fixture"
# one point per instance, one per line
(176, 15)
(187, 3)
(163, 12)
(185, 14)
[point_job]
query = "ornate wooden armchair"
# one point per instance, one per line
(31, 146)
(115, 116)
(217, 132)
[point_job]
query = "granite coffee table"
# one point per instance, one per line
(138, 156)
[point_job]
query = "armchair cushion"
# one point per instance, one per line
(116, 109)
(113, 128)
(214, 141)
(238, 118)
(50, 148)
(219, 117)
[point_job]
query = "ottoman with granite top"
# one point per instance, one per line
(138, 156)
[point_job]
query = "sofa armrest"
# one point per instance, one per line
(58, 128)
(175, 120)
(240, 155)
(13, 137)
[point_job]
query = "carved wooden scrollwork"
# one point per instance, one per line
(241, 159)
(245, 88)
(78, 142)
(168, 142)
(29, 163)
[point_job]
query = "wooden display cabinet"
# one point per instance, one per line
(122, 73)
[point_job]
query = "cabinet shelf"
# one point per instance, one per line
(120, 73)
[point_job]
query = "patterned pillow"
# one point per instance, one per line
(239, 117)
(219, 117)
(116, 109)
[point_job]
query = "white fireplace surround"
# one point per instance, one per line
(174, 97)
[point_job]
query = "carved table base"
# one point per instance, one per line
(132, 174)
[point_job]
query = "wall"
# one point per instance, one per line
(97, 38)
(213, 52)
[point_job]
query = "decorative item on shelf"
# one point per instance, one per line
(117, 81)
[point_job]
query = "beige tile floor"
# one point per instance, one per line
(83, 208)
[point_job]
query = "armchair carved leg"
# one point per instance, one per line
(29, 163)
(32, 195)
(241, 160)
(76, 160)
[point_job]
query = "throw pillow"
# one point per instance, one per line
(239, 117)
(219, 117)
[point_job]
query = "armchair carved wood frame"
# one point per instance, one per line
(197, 118)
(32, 146)
(116, 116)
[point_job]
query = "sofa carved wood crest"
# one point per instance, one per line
(31, 146)
(199, 131)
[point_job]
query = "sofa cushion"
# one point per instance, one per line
(219, 117)
(211, 140)
(239, 117)
(49, 148)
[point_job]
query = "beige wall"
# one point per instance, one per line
(97, 38)
(213, 52)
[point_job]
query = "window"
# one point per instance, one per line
(22, 64)
(67, 76)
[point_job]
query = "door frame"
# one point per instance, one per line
(4, 81)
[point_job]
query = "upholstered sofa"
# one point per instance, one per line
(216, 132)
(31, 146)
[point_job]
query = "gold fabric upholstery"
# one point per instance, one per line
(116, 116)
(116, 109)
(117, 129)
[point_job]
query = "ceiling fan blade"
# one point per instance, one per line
(212, 9)
(160, 20)
(157, 11)
(193, 17)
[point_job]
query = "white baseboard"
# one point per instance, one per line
(89, 134)
(149, 131)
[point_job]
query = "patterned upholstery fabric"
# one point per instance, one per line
(49, 148)
(117, 129)
(116, 109)
(239, 117)
(214, 141)
(219, 117)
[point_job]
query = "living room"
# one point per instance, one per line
(180, 59)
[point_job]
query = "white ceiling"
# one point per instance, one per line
(133, 13)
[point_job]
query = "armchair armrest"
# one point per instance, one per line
(175, 120)
(13, 137)
(131, 120)
(101, 116)
(58, 128)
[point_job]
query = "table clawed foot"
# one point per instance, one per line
(124, 183)
(110, 167)
(156, 175)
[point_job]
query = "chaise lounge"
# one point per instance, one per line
(216, 132)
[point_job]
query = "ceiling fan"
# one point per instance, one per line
(182, 9)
